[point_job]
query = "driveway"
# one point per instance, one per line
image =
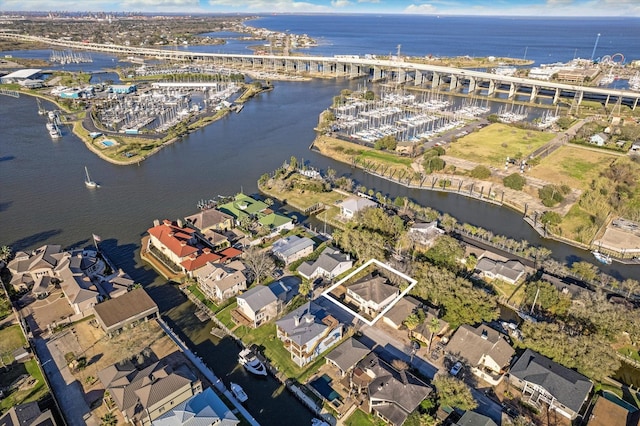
(65, 387)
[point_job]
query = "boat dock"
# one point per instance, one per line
(217, 383)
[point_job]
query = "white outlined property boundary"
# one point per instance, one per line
(412, 283)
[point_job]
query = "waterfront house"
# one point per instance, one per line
(371, 294)
(425, 233)
(347, 355)
(352, 205)
(210, 219)
(486, 351)
(26, 268)
(205, 408)
(243, 208)
(276, 223)
(393, 394)
(127, 310)
(510, 271)
(144, 395)
(221, 281)
(544, 381)
(257, 306)
(291, 248)
(331, 263)
(307, 332)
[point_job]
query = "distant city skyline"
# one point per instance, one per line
(540, 8)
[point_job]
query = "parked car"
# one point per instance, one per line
(456, 368)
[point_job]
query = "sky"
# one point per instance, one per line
(431, 7)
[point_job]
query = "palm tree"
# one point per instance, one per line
(434, 327)
(411, 323)
(5, 253)
(109, 419)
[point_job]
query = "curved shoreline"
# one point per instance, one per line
(487, 199)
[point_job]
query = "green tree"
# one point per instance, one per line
(514, 181)
(5, 253)
(411, 322)
(584, 270)
(551, 195)
(108, 419)
(446, 251)
(550, 218)
(454, 393)
(548, 298)
(434, 327)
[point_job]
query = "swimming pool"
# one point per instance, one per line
(108, 142)
(616, 400)
(322, 385)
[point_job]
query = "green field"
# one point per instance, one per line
(11, 338)
(385, 157)
(491, 145)
(573, 166)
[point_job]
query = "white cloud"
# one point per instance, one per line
(267, 6)
(421, 9)
(340, 3)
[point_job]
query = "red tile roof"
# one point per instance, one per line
(174, 238)
(230, 253)
(196, 262)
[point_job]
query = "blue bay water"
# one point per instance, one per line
(544, 40)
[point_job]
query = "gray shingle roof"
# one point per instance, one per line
(374, 289)
(258, 297)
(470, 344)
(568, 386)
(304, 324)
(347, 355)
(328, 260)
(286, 247)
(510, 269)
(203, 409)
(471, 418)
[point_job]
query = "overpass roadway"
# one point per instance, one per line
(450, 78)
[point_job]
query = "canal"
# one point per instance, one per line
(43, 200)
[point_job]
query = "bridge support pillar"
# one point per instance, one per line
(556, 96)
(534, 94)
(606, 103)
(377, 73)
(472, 85)
(492, 88)
(453, 85)
(579, 96)
(419, 79)
(635, 104)
(402, 76)
(435, 83)
(513, 88)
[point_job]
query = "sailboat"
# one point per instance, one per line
(87, 180)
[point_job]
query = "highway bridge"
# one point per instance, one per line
(448, 79)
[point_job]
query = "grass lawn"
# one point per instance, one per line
(11, 338)
(513, 293)
(33, 393)
(302, 199)
(573, 166)
(201, 297)
(630, 351)
(225, 315)
(578, 225)
(493, 144)
(346, 152)
(360, 418)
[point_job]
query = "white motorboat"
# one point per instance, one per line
(238, 392)
(251, 362)
(601, 257)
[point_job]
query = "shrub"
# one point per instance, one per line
(551, 195)
(514, 181)
(480, 172)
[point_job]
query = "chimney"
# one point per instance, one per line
(206, 250)
(182, 243)
(484, 334)
(156, 222)
(296, 320)
(180, 223)
(166, 222)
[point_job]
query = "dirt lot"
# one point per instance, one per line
(86, 339)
